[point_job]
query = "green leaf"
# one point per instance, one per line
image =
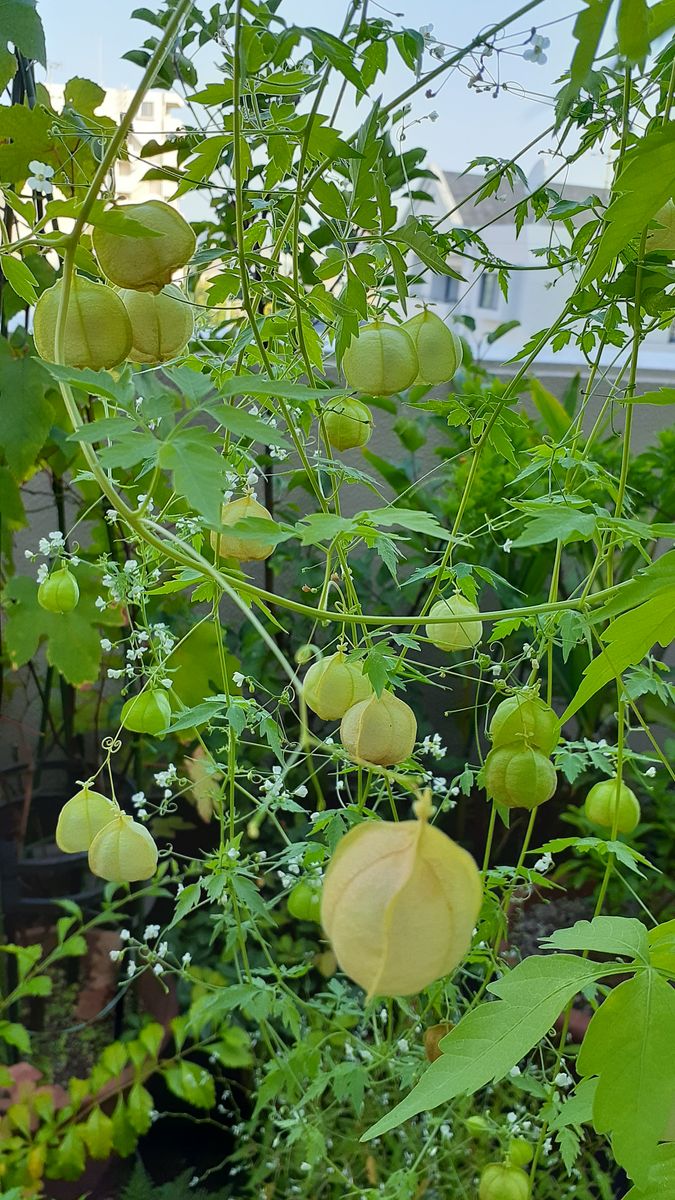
(661, 18)
(191, 1083)
(233, 1050)
(587, 31)
(97, 1131)
(16, 1035)
(558, 523)
(258, 385)
(20, 277)
(199, 471)
(71, 1155)
(244, 424)
(664, 395)
(632, 29)
(24, 132)
(627, 640)
(555, 417)
(21, 26)
(12, 511)
(661, 1179)
(338, 54)
(577, 1108)
(411, 519)
(662, 946)
(658, 577)
(124, 1138)
(141, 1105)
(628, 1046)
(645, 183)
(73, 639)
(605, 935)
(96, 383)
(25, 414)
(492, 1038)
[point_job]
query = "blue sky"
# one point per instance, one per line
(89, 38)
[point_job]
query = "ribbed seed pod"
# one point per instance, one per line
(97, 331)
(146, 264)
(524, 715)
(81, 818)
(161, 325)
(59, 593)
(519, 776)
(439, 350)
(400, 902)
(304, 901)
(601, 804)
(333, 684)
(149, 712)
(124, 851)
(501, 1181)
(380, 730)
(459, 634)
(381, 360)
(348, 423)
(231, 545)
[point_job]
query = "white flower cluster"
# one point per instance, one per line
(433, 746)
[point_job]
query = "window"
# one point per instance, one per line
(147, 110)
(488, 295)
(445, 288)
(671, 333)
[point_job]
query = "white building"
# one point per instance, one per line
(158, 116)
(535, 297)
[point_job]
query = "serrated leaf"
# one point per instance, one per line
(25, 413)
(24, 132)
(605, 935)
(628, 1046)
(192, 1083)
(199, 471)
(244, 424)
(492, 1038)
(632, 29)
(558, 523)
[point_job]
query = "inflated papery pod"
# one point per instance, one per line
(399, 905)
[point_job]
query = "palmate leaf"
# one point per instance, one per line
(627, 640)
(604, 935)
(661, 1179)
(21, 26)
(25, 413)
(628, 1046)
(199, 471)
(493, 1037)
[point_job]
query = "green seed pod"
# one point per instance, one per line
(601, 804)
(231, 545)
(400, 902)
(454, 635)
(161, 325)
(304, 902)
(81, 818)
(97, 331)
(146, 264)
(501, 1181)
(524, 715)
(332, 685)
(348, 423)
(379, 730)
(519, 776)
(149, 712)
(59, 593)
(439, 350)
(381, 360)
(124, 851)
(520, 1152)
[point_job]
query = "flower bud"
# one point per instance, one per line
(400, 902)
(500, 1181)
(333, 684)
(123, 851)
(439, 350)
(601, 805)
(59, 593)
(232, 545)
(457, 634)
(381, 360)
(348, 423)
(524, 715)
(519, 776)
(379, 730)
(81, 818)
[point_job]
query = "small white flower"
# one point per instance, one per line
(402, 1045)
(124, 935)
(130, 566)
(186, 959)
(507, 546)
(40, 178)
(238, 678)
(115, 955)
(131, 969)
(233, 853)
(300, 791)
(158, 969)
(106, 645)
(29, 554)
(650, 772)
(42, 573)
(544, 864)
(514, 1072)
(433, 116)
(563, 1080)
(100, 603)
(535, 51)
(496, 670)
(151, 931)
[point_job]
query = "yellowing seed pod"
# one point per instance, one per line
(59, 593)
(502, 1181)
(161, 325)
(433, 1036)
(332, 685)
(124, 851)
(81, 818)
(381, 360)
(459, 634)
(524, 715)
(97, 331)
(146, 263)
(601, 805)
(662, 236)
(232, 545)
(348, 423)
(439, 350)
(519, 776)
(399, 905)
(379, 730)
